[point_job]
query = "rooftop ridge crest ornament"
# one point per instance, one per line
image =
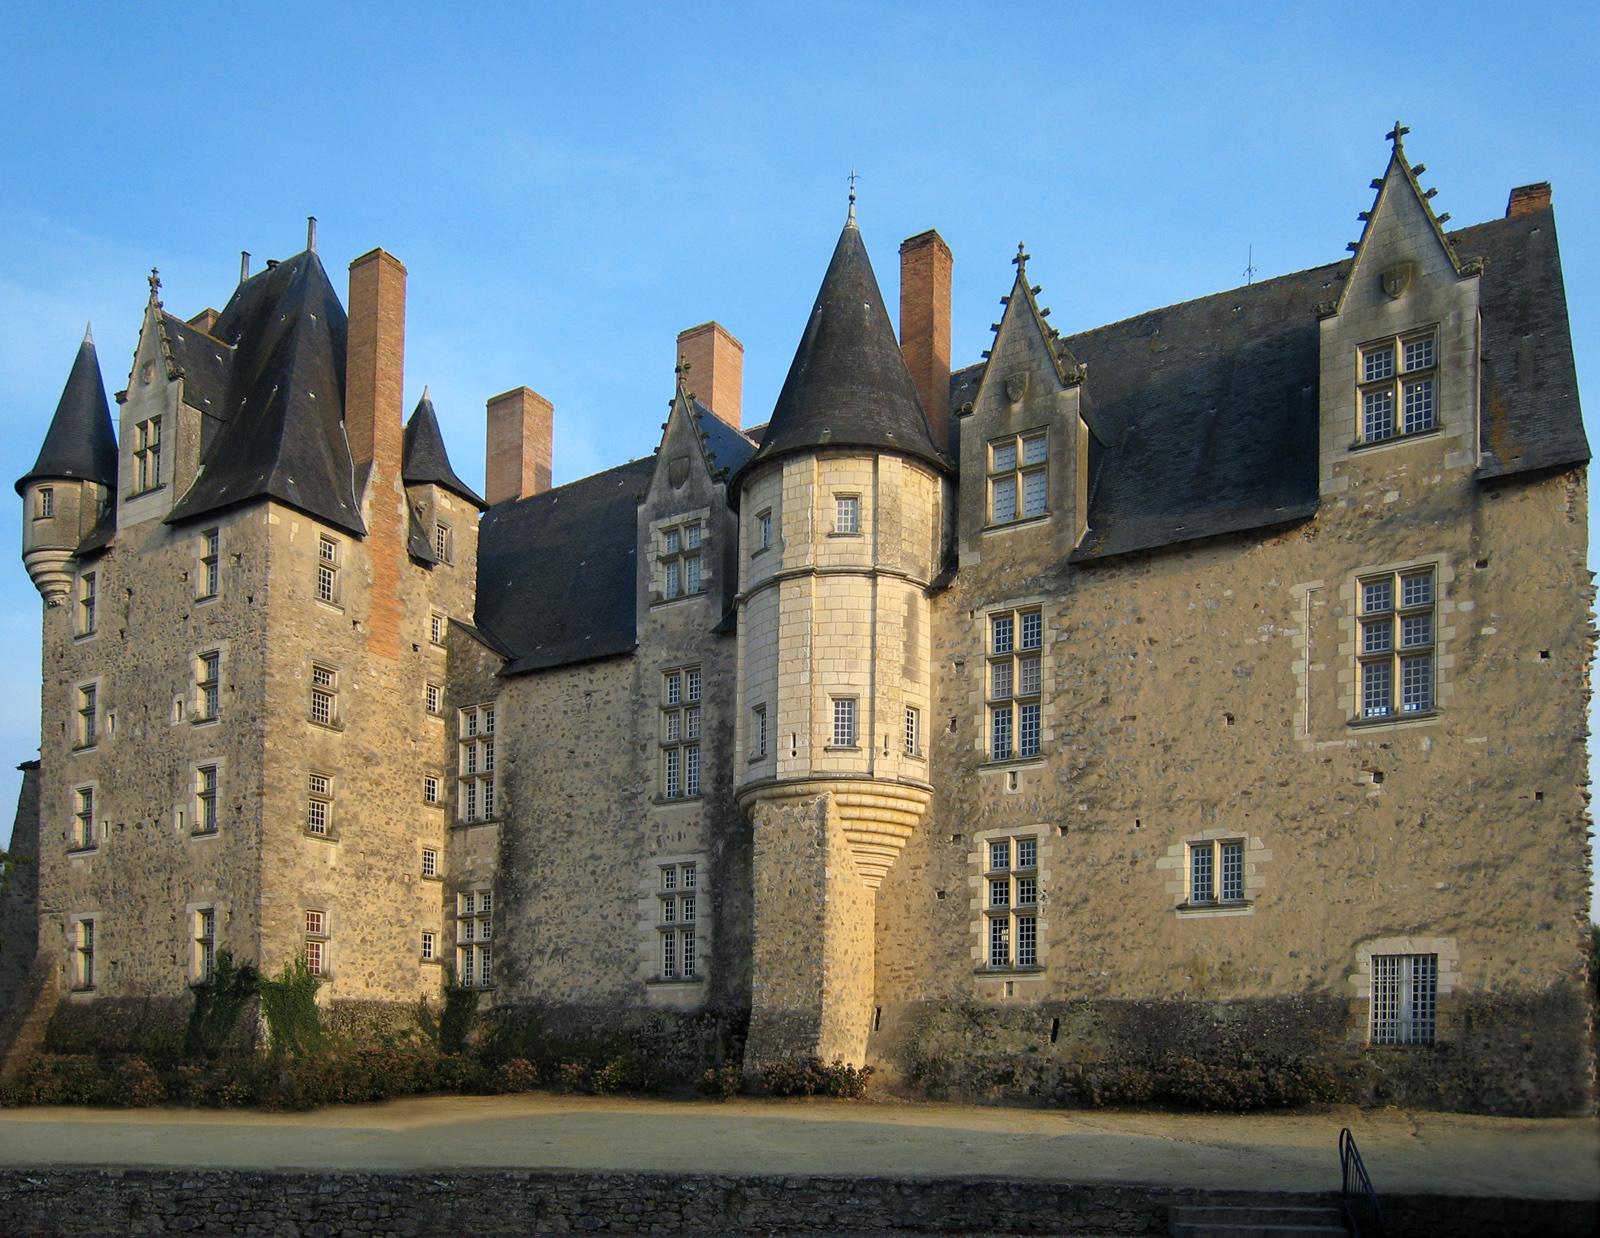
(852, 178)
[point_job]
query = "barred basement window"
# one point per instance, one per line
(208, 686)
(86, 604)
(1397, 643)
(83, 829)
(1405, 998)
(147, 455)
(844, 722)
(205, 944)
(324, 695)
(210, 576)
(83, 969)
(205, 816)
(1398, 387)
(1018, 468)
(316, 942)
(676, 920)
(1011, 900)
(327, 570)
(474, 929)
(1015, 672)
(680, 733)
(319, 805)
(475, 795)
(1216, 872)
(88, 715)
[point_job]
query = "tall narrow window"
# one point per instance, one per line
(1216, 872)
(88, 715)
(205, 817)
(1405, 998)
(210, 577)
(846, 513)
(319, 805)
(1011, 903)
(147, 455)
(207, 686)
(475, 793)
(87, 590)
(913, 731)
(83, 830)
(442, 541)
(430, 789)
(84, 979)
(205, 944)
(680, 733)
(764, 530)
(44, 502)
(437, 624)
(1018, 477)
(430, 862)
(324, 695)
(474, 933)
(676, 923)
(316, 943)
(327, 570)
(1015, 672)
(433, 696)
(844, 722)
(1398, 386)
(1397, 643)
(758, 731)
(429, 949)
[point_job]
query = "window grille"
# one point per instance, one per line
(205, 943)
(680, 732)
(87, 586)
(1216, 872)
(844, 722)
(758, 731)
(475, 764)
(1398, 375)
(210, 576)
(846, 513)
(1018, 477)
(1405, 996)
(1397, 643)
(45, 502)
(913, 731)
(147, 455)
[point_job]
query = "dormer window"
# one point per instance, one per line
(1398, 387)
(681, 564)
(147, 455)
(1019, 485)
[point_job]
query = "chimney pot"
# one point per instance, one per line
(1525, 199)
(518, 454)
(716, 369)
(925, 269)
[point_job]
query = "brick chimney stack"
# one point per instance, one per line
(519, 447)
(925, 266)
(373, 415)
(1526, 199)
(716, 369)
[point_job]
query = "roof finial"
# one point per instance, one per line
(88, 334)
(311, 233)
(853, 178)
(1399, 131)
(154, 280)
(425, 392)
(1021, 260)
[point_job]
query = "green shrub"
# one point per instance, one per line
(126, 1083)
(289, 1004)
(457, 1018)
(721, 1082)
(517, 1075)
(629, 1073)
(809, 1077)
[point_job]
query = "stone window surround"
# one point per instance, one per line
(477, 764)
(87, 617)
(331, 569)
(762, 524)
(196, 701)
(979, 697)
(659, 558)
(98, 825)
(1449, 954)
(650, 926)
(97, 683)
(1349, 631)
(205, 561)
(443, 541)
(221, 913)
(1397, 380)
(978, 862)
(330, 830)
(482, 943)
(77, 983)
(1256, 853)
(677, 749)
(990, 476)
(329, 689)
(860, 513)
(193, 798)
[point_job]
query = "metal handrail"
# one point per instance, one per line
(1356, 1187)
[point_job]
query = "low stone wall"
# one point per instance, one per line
(94, 1202)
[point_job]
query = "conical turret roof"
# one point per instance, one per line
(848, 385)
(80, 444)
(424, 460)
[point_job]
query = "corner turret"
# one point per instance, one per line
(67, 490)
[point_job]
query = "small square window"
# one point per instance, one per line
(1000, 854)
(314, 923)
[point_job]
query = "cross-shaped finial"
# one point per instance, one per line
(682, 368)
(1022, 257)
(154, 280)
(1399, 131)
(853, 178)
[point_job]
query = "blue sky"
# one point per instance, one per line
(570, 185)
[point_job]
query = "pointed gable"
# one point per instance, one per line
(80, 444)
(848, 385)
(424, 460)
(281, 434)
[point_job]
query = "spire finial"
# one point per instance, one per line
(853, 178)
(1399, 131)
(1021, 260)
(311, 233)
(88, 334)
(424, 391)
(154, 280)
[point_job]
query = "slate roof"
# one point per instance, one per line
(729, 448)
(281, 433)
(556, 571)
(1208, 410)
(204, 363)
(80, 444)
(848, 384)
(424, 460)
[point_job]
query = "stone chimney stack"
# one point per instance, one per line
(519, 448)
(716, 369)
(925, 266)
(1526, 199)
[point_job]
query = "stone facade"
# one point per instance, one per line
(952, 758)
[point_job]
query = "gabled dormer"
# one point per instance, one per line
(1400, 343)
(688, 535)
(1024, 440)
